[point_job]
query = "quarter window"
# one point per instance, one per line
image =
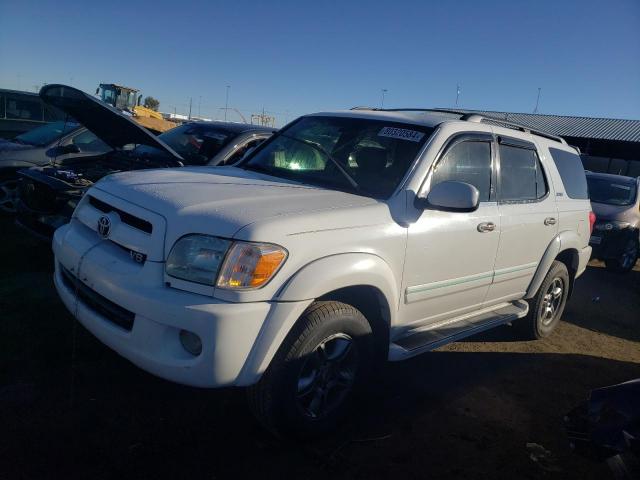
(469, 162)
(521, 175)
(572, 173)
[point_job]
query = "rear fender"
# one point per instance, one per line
(566, 240)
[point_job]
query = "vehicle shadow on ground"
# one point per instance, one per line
(450, 414)
(608, 296)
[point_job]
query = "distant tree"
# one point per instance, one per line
(152, 103)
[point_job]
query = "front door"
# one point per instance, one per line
(528, 219)
(450, 255)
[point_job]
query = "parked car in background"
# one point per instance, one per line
(30, 149)
(345, 239)
(616, 236)
(48, 195)
(22, 111)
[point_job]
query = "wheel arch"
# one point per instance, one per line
(564, 248)
(362, 280)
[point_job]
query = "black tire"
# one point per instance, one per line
(283, 399)
(627, 258)
(540, 321)
(8, 190)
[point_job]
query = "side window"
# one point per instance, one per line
(571, 172)
(521, 175)
(88, 142)
(241, 152)
(467, 161)
(24, 107)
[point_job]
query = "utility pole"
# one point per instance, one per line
(226, 103)
(535, 110)
(190, 102)
(457, 94)
(383, 91)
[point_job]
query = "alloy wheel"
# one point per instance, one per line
(551, 301)
(8, 195)
(327, 376)
(629, 255)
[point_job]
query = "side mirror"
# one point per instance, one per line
(63, 150)
(451, 196)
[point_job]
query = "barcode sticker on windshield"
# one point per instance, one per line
(401, 133)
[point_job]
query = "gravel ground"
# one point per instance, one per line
(71, 408)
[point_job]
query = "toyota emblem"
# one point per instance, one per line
(104, 226)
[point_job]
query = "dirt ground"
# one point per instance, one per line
(71, 408)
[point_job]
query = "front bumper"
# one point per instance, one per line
(228, 331)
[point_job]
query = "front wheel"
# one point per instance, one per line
(546, 307)
(311, 381)
(8, 193)
(626, 260)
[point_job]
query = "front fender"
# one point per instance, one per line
(310, 282)
(339, 271)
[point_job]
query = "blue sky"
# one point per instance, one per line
(294, 57)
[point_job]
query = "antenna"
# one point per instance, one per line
(457, 94)
(535, 110)
(383, 90)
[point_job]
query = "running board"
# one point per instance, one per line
(452, 330)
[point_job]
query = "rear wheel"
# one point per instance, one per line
(8, 193)
(311, 381)
(545, 309)
(627, 258)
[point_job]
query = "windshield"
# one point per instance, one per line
(46, 134)
(361, 155)
(197, 144)
(611, 192)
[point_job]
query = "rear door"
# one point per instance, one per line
(528, 218)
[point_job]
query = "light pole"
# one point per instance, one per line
(226, 103)
(383, 90)
(535, 110)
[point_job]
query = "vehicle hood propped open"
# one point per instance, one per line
(107, 123)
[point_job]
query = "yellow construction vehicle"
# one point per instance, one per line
(127, 99)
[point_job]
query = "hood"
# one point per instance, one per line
(107, 123)
(220, 200)
(606, 212)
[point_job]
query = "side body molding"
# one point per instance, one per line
(566, 240)
(310, 282)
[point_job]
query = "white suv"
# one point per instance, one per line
(346, 238)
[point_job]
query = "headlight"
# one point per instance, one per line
(613, 225)
(250, 265)
(197, 258)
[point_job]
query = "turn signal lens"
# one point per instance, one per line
(250, 265)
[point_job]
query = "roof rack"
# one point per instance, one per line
(473, 117)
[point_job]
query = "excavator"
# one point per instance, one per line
(127, 100)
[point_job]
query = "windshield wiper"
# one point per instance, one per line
(324, 151)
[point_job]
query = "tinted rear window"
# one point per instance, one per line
(572, 173)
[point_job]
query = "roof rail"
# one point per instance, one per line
(473, 117)
(479, 118)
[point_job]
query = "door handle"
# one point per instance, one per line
(486, 227)
(549, 221)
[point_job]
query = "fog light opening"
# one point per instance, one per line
(191, 342)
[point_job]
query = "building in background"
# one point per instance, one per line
(608, 145)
